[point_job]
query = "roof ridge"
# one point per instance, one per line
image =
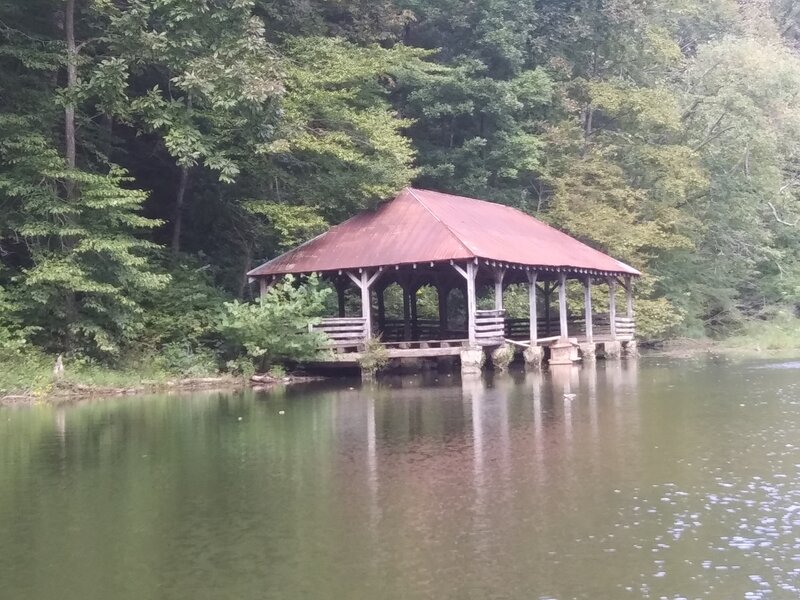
(455, 236)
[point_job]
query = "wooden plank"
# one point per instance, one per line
(344, 334)
(516, 343)
(471, 301)
(612, 305)
(492, 313)
(490, 332)
(338, 321)
(532, 308)
(587, 307)
(338, 327)
(351, 332)
(562, 304)
(492, 321)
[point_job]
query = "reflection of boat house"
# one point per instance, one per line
(453, 243)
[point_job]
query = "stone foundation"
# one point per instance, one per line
(631, 349)
(562, 353)
(587, 351)
(534, 356)
(502, 357)
(472, 361)
(612, 350)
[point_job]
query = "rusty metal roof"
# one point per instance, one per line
(421, 226)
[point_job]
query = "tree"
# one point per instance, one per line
(70, 217)
(203, 77)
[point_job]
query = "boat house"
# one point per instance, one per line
(458, 244)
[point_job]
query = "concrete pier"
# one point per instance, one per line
(534, 357)
(588, 351)
(564, 352)
(472, 360)
(612, 350)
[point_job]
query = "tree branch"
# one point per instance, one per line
(778, 219)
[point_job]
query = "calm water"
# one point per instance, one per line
(656, 480)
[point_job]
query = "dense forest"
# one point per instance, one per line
(152, 151)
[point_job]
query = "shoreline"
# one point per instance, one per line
(68, 393)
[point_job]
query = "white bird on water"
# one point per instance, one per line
(569, 396)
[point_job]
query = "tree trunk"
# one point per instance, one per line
(70, 152)
(72, 82)
(177, 218)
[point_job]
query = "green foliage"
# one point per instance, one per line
(774, 329)
(182, 314)
(339, 145)
(665, 133)
(374, 356)
(25, 371)
(215, 76)
(80, 263)
(277, 328)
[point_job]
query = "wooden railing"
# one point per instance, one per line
(601, 328)
(393, 330)
(342, 333)
(490, 326)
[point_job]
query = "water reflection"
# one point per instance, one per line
(609, 480)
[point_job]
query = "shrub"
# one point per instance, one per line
(374, 357)
(277, 328)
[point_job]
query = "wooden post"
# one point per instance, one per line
(499, 275)
(412, 296)
(406, 312)
(470, 273)
(629, 292)
(587, 304)
(532, 317)
(364, 281)
(366, 305)
(562, 304)
(612, 306)
(546, 292)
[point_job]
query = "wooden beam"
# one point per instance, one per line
(363, 281)
(587, 305)
(366, 305)
(547, 293)
(532, 316)
(460, 271)
(499, 275)
(562, 304)
(470, 274)
(412, 296)
(612, 306)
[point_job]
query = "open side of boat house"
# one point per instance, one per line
(452, 243)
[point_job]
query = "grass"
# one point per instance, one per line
(780, 332)
(31, 373)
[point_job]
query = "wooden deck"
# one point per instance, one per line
(346, 337)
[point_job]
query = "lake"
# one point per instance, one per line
(654, 478)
